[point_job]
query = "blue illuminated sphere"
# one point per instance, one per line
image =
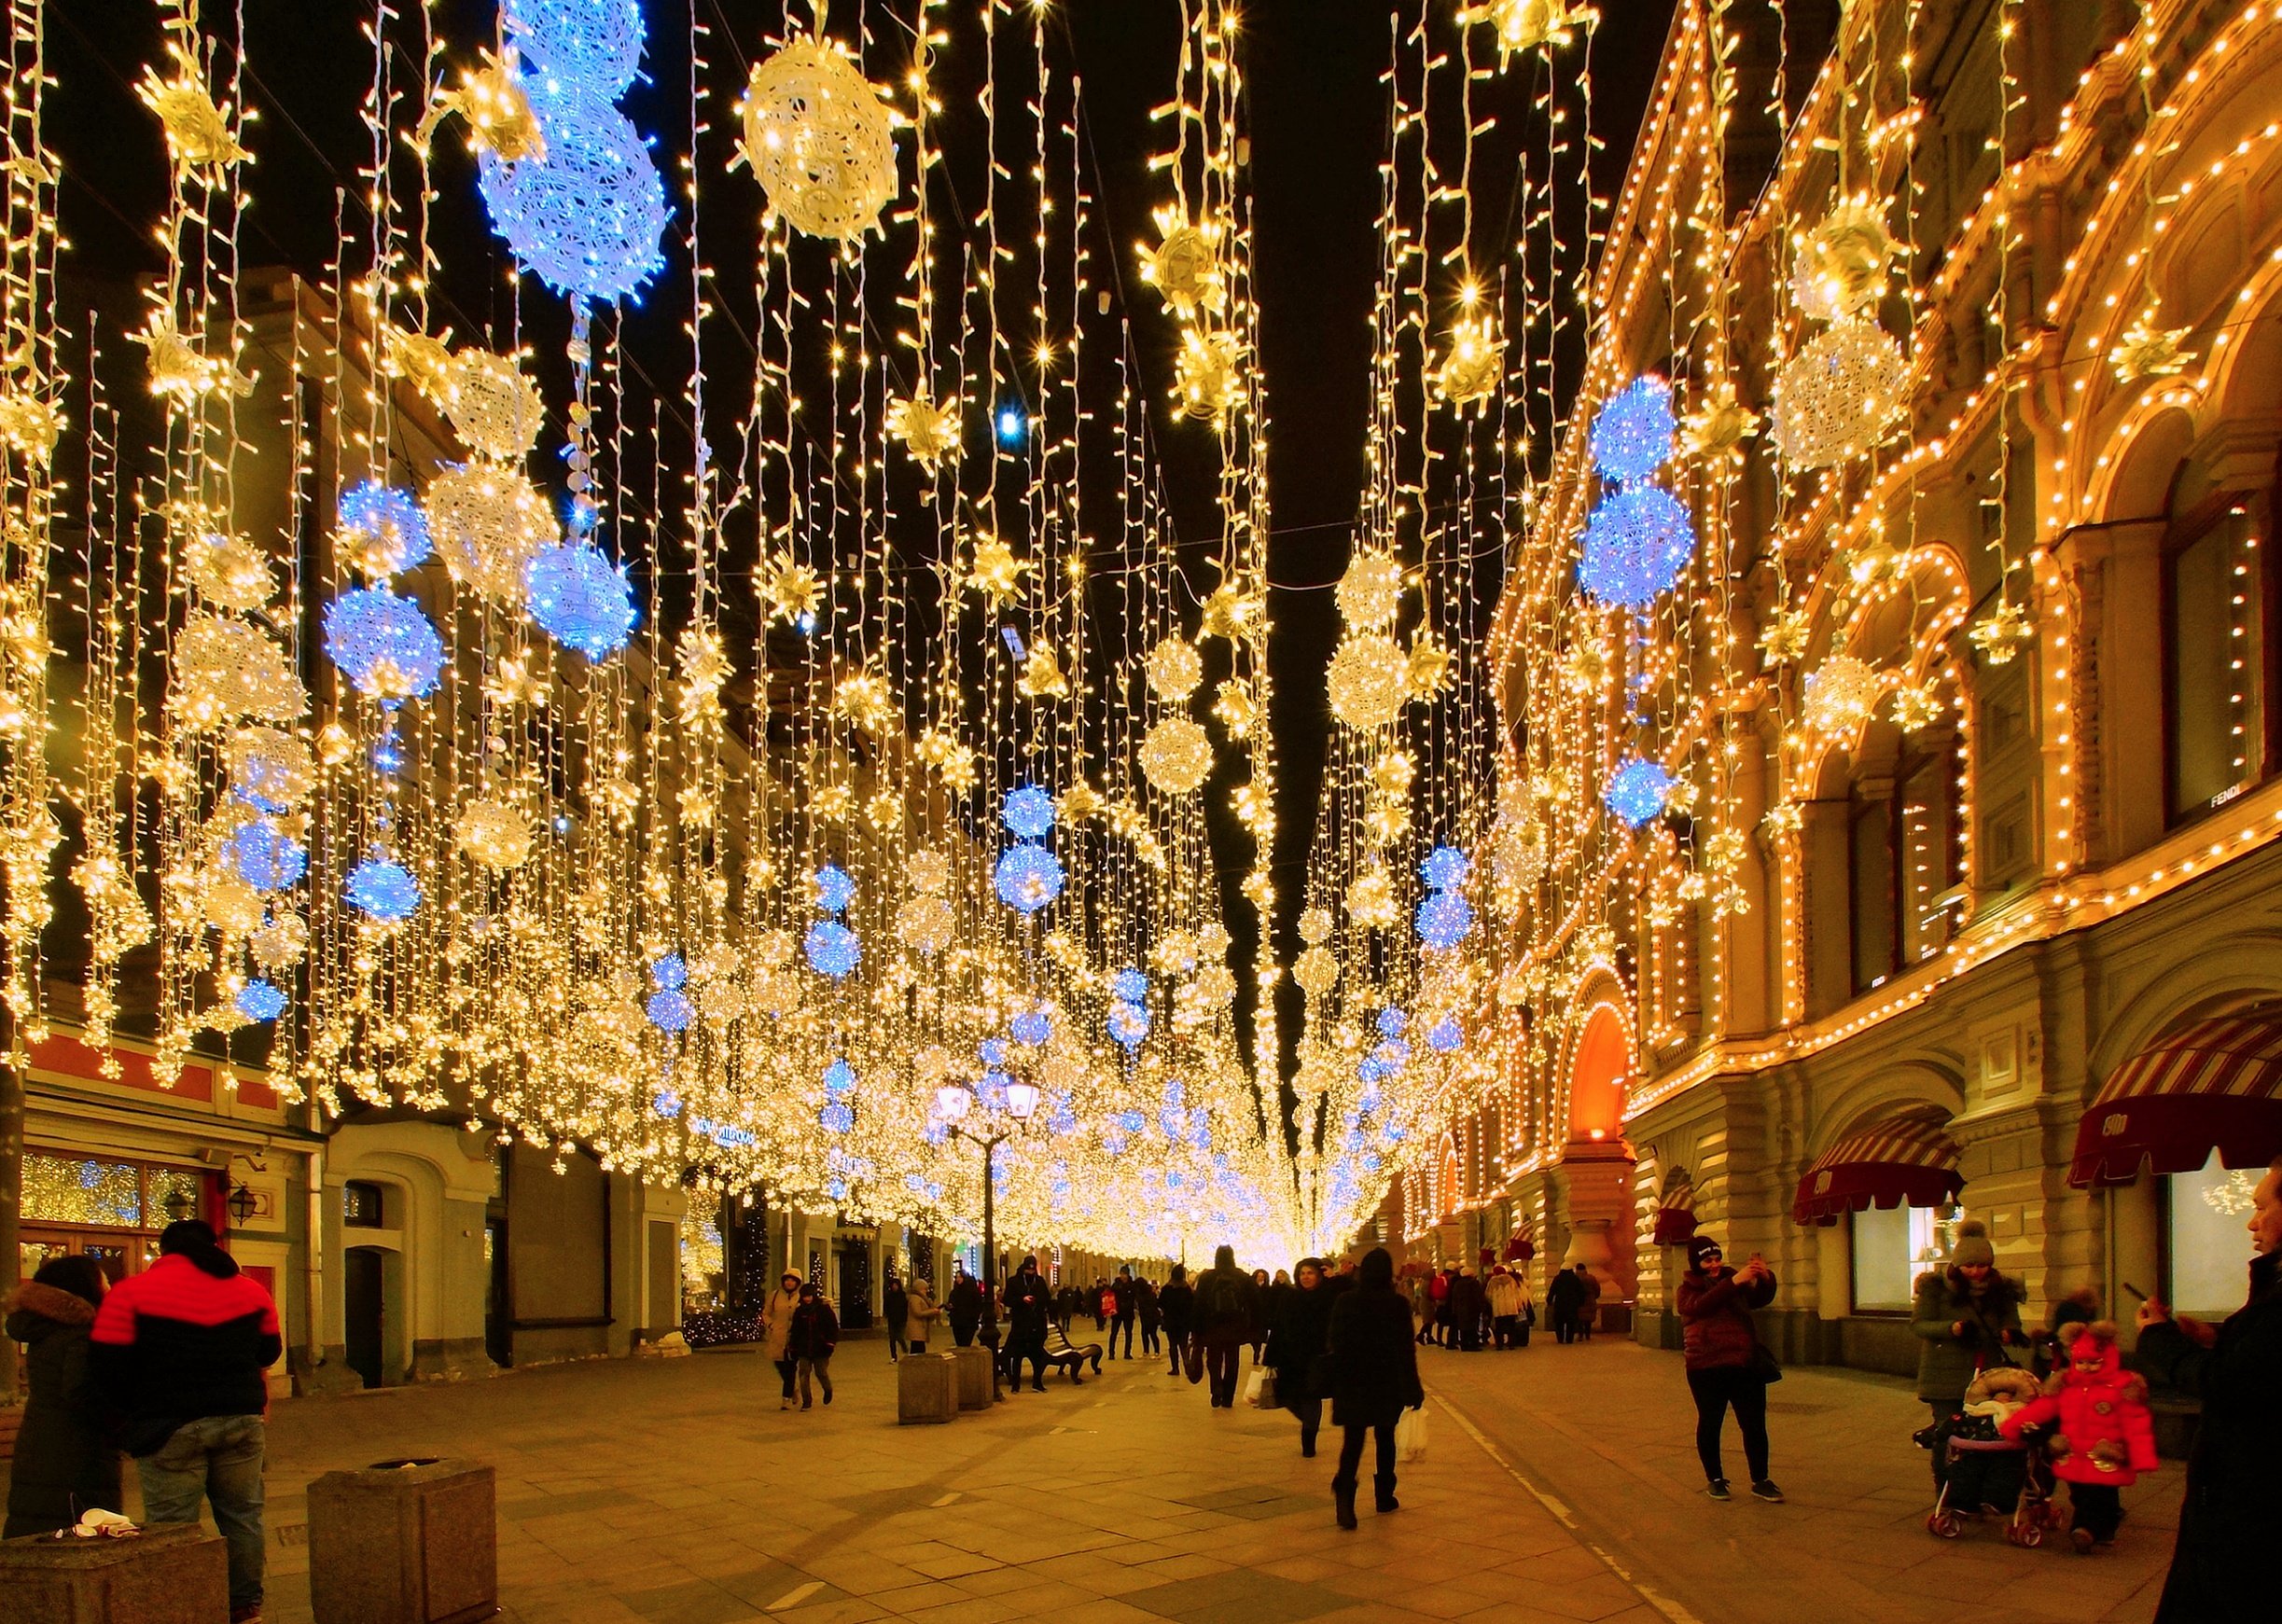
(388, 513)
(837, 1189)
(383, 644)
(1444, 920)
(667, 1104)
(839, 1078)
(1391, 1022)
(265, 856)
(670, 1011)
(382, 889)
(1032, 1027)
(1370, 1069)
(1394, 1054)
(1027, 878)
(832, 949)
(1446, 1036)
(586, 219)
(836, 1118)
(1132, 1121)
(1129, 1024)
(1637, 542)
(992, 1052)
(671, 973)
(1635, 433)
(1445, 869)
(1028, 812)
(1130, 985)
(595, 44)
(1637, 791)
(581, 599)
(259, 1001)
(834, 889)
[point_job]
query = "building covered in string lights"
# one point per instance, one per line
(1962, 897)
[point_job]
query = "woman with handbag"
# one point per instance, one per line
(1728, 1365)
(1373, 1370)
(1295, 1343)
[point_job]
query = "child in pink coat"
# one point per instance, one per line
(2105, 1437)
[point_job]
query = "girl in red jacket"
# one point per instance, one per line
(2106, 1437)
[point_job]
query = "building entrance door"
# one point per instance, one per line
(361, 1297)
(855, 1285)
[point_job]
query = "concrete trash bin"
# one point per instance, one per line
(404, 1542)
(174, 1573)
(974, 1365)
(926, 1388)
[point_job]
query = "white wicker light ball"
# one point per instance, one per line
(1370, 591)
(489, 521)
(228, 571)
(820, 141)
(493, 834)
(226, 671)
(1315, 926)
(1370, 900)
(281, 943)
(925, 925)
(1368, 680)
(494, 408)
(1838, 397)
(1175, 669)
(1176, 756)
(1839, 695)
(268, 770)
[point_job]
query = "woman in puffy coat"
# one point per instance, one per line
(64, 1465)
(2105, 1437)
(1296, 1341)
(1966, 1317)
(1722, 1351)
(1374, 1369)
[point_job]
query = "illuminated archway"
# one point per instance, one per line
(1598, 1076)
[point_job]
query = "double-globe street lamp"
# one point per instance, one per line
(989, 1116)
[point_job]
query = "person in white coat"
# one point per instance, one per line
(1510, 1306)
(776, 1329)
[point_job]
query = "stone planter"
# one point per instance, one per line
(404, 1543)
(172, 1573)
(926, 1388)
(974, 1366)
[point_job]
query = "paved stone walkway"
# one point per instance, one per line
(1560, 1484)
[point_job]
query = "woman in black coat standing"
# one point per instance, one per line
(1374, 1377)
(1303, 1329)
(63, 1466)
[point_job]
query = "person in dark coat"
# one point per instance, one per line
(2222, 1565)
(1297, 1339)
(1125, 1308)
(815, 1332)
(1179, 1301)
(1373, 1368)
(1721, 1346)
(1564, 1294)
(1223, 1322)
(65, 1463)
(1026, 1311)
(896, 1306)
(1466, 1302)
(1264, 1309)
(1151, 1313)
(1588, 1302)
(965, 1304)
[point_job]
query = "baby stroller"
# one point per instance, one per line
(1978, 1469)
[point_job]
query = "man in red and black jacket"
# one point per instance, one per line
(183, 1350)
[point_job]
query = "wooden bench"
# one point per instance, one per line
(1066, 1355)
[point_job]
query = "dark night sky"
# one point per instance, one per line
(1317, 124)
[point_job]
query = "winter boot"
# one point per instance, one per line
(1386, 1487)
(1343, 1504)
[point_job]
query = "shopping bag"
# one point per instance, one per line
(1268, 1398)
(1411, 1436)
(1194, 1361)
(1252, 1385)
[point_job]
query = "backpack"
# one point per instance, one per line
(1219, 1296)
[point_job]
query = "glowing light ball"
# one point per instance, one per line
(1131, 986)
(832, 949)
(1637, 791)
(669, 973)
(587, 217)
(820, 141)
(836, 1118)
(489, 522)
(226, 671)
(1445, 869)
(1128, 1025)
(1391, 1021)
(1176, 756)
(1027, 878)
(270, 770)
(495, 406)
(383, 889)
(1028, 812)
(259, 1001)
(1444, 920)
(1635, 433)
(1838, 397)
(1175, 669)
(1446, 1036)
(596, 44)
(228, 571)
(265, 856)
(492, 833)
(835, 888)
(670, 1011)
(581, 599)
(1368, 680)
(1032, 1027)
(925, 924)
(1637, 542)
(383, 645)
(382, 530)
(838, 1079)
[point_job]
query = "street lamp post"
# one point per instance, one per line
(1003, 1117)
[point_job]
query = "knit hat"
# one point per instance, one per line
(1700, 1247)
(1972, 1245)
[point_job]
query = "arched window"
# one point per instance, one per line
(2218, 643)
(1905, 860)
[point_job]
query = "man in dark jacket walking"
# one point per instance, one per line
(2220, 1568)
(183, 1349)
(1564, 1294)
(1178, 1301)
(1374, 1377)
(1224, 1321)
(1726, 1368)
(1125, 1304)
(965, 1304)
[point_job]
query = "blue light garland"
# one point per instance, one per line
(587, 218)
(1637, 792)
(391, 523)
(1391, 1021)
(836, 1118)
(581, 599)
(1635, 433)
(834, 889)
(1028, 812)
(1444, 920)
(383, 644)
(1445, 869)
(1130, 985)
(593, 44)
(670, 1011)
(832, 950)
(265, 856)
(1027, 878)
(670, 972)
(1032, 1027)
(382, 889)
(1637, 542)
(1446, 1036)
(259, 1001)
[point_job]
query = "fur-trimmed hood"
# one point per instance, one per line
(1999, 1293)
(31, 1301)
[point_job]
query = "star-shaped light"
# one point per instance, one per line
(2147, 351)
(2003, 633)
(1430, 663)
(1233, 613)
(704, 668)
(198, 130)
(1042, 677)
(789, 588)
(928, 431)
(1185, 266)
(1474, 364)
(1718, 424)
(996, 573)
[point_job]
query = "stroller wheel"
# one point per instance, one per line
(1943, 1526)
(2030, 1533)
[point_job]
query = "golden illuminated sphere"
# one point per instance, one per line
(1474, 365)
(228, 571)
(1206, 383)
(1838, 397)
(495, 411)
(928, 871)
(489, 521)
(269, 769)
(1175, 669)
(1369, 679)
(1176, 756)
(1215, 985)
(773, 949)
(493, 834)
(1316, 970)
(1315, 926)
(820, 141)
(927, 431)
(1370, 900)
(226, 671)
(281, 942)
(1840, 694)
(1370, 591)
(1185, 266)
(1175, 953)
(231, 906)
(1841, 267)
(925, 925)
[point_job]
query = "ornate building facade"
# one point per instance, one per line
(1956, 888)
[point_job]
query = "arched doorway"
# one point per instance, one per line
(1597, 1164)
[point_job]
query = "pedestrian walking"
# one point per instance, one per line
(1152, 1315)
(1727, 1367)
(1564, 1294)
(1467, 1304)
(1223, 1323)
(1262, 1312)
(777, 1330)
(1027, 1299)
(2105, 1437)
(2222, 1565)
(1102, 1304)
(1967, 1317)
(1373, 1370)
(1296, 1342)
(64, 1465)
(966, 1305)
(896, 1308)
(182, 1351)
(1178, 1301)
(814, 1333)
(1509, 1296)
(1437, 1289)
(924, 1313)
(1588, 1302)
(1125, 1305)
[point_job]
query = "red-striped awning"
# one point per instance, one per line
(1906, 1157)
(2214, 1086)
